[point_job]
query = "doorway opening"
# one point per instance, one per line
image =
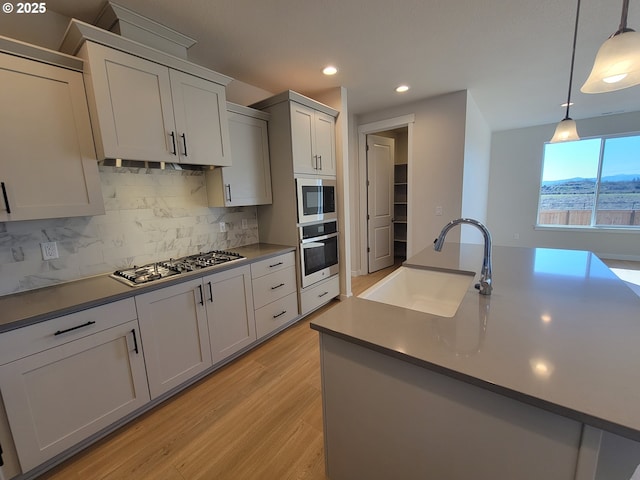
(397, 192)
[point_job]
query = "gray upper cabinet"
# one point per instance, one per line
(312, 140)
(48, 166)
(143, 110)
(248, 180)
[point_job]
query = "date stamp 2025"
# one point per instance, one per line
(24, 8)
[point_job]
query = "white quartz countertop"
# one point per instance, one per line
(560, 331)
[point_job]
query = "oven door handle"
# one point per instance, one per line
(317, 239)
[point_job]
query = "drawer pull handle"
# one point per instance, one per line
(60, 332)
(323, 294)
(6, 198)
(278, 286)
(280, 314)
(135, 341)
(275, 264)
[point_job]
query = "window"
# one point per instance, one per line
(591, 183)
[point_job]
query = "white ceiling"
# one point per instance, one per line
(512, 55)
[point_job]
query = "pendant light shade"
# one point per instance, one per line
(617, 64)
(566, 130)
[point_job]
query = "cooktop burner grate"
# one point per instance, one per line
(151, 272)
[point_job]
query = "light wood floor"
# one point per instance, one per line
(258, 418)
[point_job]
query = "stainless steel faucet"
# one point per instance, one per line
(484, 286)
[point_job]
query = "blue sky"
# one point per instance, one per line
(580, 159)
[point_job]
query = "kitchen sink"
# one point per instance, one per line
(429, 291)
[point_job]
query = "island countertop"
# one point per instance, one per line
(560, 332)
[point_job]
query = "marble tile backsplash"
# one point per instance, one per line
(151, 215)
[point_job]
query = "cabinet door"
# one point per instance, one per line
(200, 112)
(173, 326)
(302, 139)
(131, 105)
(230, 312)
(249, 178)
(325, 143)
(58, 397)
(48, 165)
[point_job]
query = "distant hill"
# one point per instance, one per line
(621, 178)
(610, 178)
(549, 183)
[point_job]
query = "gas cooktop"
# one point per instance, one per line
(152, 272)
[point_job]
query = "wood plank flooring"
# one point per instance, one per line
(258, 418)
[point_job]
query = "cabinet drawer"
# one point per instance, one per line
(313, 297)
(26, 341)
(276, 314)
(271, 287)
(273, 264)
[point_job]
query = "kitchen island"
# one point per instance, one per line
(537, 380)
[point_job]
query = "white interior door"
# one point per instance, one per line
(380, 160)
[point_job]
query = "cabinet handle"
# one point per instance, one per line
(60, 332)
(201, 296)
(210, 292)
(6, 198)
(280, 314)
(135, 341)
(184, 143)
(320, 157)
(173, 143)
(275, 264)
(323, 294)
(277, 286)
(315, 162)
(228, 185)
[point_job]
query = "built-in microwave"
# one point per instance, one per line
(318, 252)
(316, 199)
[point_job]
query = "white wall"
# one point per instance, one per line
(436, 164)
(516, 169)
(477, 161)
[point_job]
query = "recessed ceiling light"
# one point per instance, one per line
(402, 88)
(330, 70)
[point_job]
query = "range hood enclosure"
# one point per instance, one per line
(126, 23)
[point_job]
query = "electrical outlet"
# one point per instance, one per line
(223, 227)
(49, 250)
(516, 236)
(439, 211)
(245, 224)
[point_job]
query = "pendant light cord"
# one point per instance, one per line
(573, 57)
(623, 19)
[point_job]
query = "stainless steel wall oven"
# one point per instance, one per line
(318, 252)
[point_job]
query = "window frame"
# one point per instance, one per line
(593, 227)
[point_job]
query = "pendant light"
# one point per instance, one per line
(617, 63)
(566, 130)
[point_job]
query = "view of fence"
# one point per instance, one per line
(583, 217)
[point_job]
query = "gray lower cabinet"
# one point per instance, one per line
(229, 305)
(69, 378)
(274, 292)
(175, 335)
(188, 327)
